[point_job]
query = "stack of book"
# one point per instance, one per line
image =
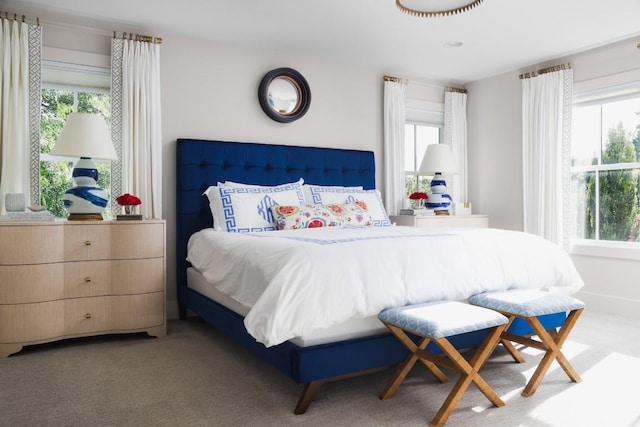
(28, 216)
(423, 211)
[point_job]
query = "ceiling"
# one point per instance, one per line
(497, 36)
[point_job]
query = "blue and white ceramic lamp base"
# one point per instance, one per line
(439, 200)
(85, 201)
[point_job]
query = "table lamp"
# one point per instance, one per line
(86, 136)
(437, 160)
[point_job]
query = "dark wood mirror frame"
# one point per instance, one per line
(297, 82)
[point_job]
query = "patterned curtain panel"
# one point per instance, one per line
(546, 134)
(21, 44)
(394, 123)
(136, 123)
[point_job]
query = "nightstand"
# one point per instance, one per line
(428, 221)
(65, 279)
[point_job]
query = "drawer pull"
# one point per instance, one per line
(88, 316)
(87, 279)
(87, 243)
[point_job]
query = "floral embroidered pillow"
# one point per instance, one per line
(293, 217)
(354, 214)
(369, 198)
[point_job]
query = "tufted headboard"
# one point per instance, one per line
(201, 163)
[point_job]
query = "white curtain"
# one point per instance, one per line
(141, 137)
(455, 134)
(14, 110)
(546, 132)
(394, 123)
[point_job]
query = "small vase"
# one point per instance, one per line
(128, 209)
(418, 204)
(14, 202)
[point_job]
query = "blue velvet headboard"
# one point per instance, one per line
(201, 163)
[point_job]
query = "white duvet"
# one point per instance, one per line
(301, 280)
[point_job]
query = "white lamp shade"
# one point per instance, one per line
(85, 135)
(438, 159)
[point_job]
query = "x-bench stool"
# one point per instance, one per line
(528, 305)
(435, 322)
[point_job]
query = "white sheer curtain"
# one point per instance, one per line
(14, 109)
(394, 123)
(138, 64)
(546, 132)
(455, 133)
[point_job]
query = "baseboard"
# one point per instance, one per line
(610, 304)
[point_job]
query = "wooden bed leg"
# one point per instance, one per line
(307, 396)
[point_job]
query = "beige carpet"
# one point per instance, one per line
(196, 377)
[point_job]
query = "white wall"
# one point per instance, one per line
(495, 166)
(494, 152)
(209, 91)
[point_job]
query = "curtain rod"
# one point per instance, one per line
(560, 67)
(394, 79)
(15, 17)
(455, 89)
(139, 38)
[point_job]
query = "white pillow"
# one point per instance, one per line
(368, 199)
(248, 208)
(308, 187)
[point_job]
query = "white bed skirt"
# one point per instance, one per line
(354, 328)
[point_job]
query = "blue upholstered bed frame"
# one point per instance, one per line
(201, 163)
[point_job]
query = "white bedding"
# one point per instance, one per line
(299, 281)
(350, 329)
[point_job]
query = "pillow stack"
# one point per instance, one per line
(242, 208)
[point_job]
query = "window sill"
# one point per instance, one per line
(606, 249)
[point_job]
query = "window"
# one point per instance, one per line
(417, 137)
(60, 97)
(605, 165)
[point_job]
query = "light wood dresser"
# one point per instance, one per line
(420, 221)
(67, 279)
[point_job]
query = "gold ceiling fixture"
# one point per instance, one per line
(436, 8)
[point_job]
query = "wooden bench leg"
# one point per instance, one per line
(406, 366)
(469, 372)
(553, 351)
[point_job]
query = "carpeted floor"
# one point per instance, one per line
(196, 377)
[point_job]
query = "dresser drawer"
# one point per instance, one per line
(31, 244)
(113, 241)
(39, 322)
(119, 277)
(113, 313)
(21, 284)
(31, 322)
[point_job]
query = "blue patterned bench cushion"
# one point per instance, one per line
(527, 302)
(442, 318)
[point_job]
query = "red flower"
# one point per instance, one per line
(418, 195)
(128, 199)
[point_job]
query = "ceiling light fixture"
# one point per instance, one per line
(436, 8)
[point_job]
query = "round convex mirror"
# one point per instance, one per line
(284, 95)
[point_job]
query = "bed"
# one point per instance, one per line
(318, 359)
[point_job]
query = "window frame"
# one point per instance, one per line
(416, 173)
(598, 96)
(90, 71)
